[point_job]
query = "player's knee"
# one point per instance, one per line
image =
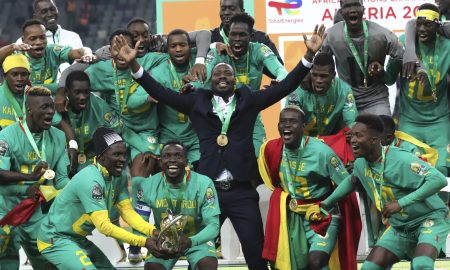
(368, 265)
(422, 263)
(317, 263)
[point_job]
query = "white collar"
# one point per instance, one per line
(220, 100)
(49, 33)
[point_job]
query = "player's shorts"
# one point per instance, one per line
(403, 244)
(318, 242)
(142, 142)
(75, 254)
(9, 249)
(193, 255)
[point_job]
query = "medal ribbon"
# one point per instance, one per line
(378, 195)
(362, 66)
(177, 209)
(81, 138)
(122, 102)
(108, 196)
(289, 183)
(26, 130)
(427, 61)
(18, 111)
(174, 74)
(224, 119)
(224, 36)
(246, 68)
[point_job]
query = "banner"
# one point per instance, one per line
(300, 16)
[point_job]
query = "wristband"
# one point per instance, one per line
(73, 144)
(200, 60)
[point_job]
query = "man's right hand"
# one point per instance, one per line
(158, 252)
(38, 171)
(122, 49)
(60, 101)
(22, 47)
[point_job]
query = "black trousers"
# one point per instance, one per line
(240, 205)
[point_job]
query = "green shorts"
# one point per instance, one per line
(141, 142)
(318, 242)
(76, 254)
(9, 249)
(193, 255)
(432, 231)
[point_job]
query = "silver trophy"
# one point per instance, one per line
(172, 228)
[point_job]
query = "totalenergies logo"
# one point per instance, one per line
(290, 7)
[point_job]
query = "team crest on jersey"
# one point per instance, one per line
(209, 195)
(140, 195)
(109, 117)
(266, 51)
(350, 100)
(97, 193)
(151, 139)
(334, 161)
(3, 147)
(209, 57)
(57, 48)
(418, 169)
(428, 223)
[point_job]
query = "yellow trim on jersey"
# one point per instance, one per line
(76, 226)
(133, 219)
(42, 245)
(6, 122)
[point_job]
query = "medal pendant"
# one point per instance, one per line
(222, 140)
(434, 95)
(82, 158)
(49, 174)
(365, 82)
(293, 205)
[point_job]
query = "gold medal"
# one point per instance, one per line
(293, 204)
(82, 158)
(222, 140)
(49, 174)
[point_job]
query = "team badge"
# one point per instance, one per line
(210, 243)
(428, 223)
(3, 147)
(140, 195)
(151, 139)
(418, 168)
(57, 48)
(209, 195)
(326, 236)
(209, 57)
(97, 193)
(350, 100)
(109, 117)
(334, 161)
(266, 51)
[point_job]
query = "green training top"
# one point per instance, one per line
(317, 166)
(199, 203)
(416, 100)
(334, 109)
(88, 191)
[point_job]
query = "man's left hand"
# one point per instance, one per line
(375, 69)
(185, 243)
(390, 208)
(199, 71)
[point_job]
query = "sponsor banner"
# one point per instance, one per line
(299, 16)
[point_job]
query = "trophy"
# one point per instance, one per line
(172, 228)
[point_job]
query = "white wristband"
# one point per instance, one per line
(87, 51)
(73, 144)
(200, 60)
(212, 45)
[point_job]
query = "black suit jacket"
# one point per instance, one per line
(238, 156)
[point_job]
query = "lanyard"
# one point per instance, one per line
(289, 180)
(128, 80)
(224, 36)
(177, 209)
(247, 70)
(224, 119)
(80, 127)
(320, 114)
(362, 66)
(18, 111)
(175, 76)
(26, 130)
(378, 195)
(431, 60)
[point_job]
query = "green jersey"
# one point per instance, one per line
(118, 88)
(196, 198)
(403, 174)
(18, 155)
(88, 191)
(328, 113)
(9, 115)
(173, 124)
(407, 146)
(44, 70)
(97, 114)
(317, 165)
(417, 104)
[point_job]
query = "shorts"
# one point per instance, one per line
(318, 242)
(141, 142)
(76, 254)
(193, 255)
(432, 231)
(9, 249)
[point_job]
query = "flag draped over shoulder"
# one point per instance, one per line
(276, 242)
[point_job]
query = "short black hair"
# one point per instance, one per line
(36, 2)
(324, 59)
(360, 1)
(297, 109)
(138, 20)
(122, 32)
(243, 17)
(388, 123)
(178, 32)
(175, 142)
(31, 22)
(429, 6)
(372, 122)
(77, 75)
(240, 3)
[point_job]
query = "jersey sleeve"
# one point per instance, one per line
(61, 177)
(152, 60)
(272, 63)
(91, 195)
(349, 112)
(5, 152)
(109, 116)
(61, 53)
(212, 59)
(138, 99)
(335, 167)
(210, 217)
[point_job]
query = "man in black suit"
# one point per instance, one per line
(223, 119)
